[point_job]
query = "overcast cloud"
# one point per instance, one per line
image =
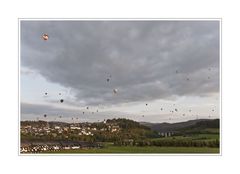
(142, 58)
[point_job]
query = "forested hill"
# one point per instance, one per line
(183, 126)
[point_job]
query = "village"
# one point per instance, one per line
(53, 136)
(55, 129)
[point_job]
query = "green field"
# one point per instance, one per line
(110, 148)
(147, 149)
(192, 137)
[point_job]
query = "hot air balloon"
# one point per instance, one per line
(46, 93)
(115, 91)
(45, 36)
(45, 115)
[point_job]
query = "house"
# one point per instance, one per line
(75, 128)
(56, 147)
(75, 147)
(66, 148)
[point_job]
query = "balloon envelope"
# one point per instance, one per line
(45, 36)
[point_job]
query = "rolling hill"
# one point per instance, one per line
(199, 124)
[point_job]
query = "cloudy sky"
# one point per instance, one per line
(172, 66)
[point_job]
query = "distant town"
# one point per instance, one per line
(63, 135)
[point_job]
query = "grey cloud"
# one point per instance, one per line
(41, 109)
(33, 111)
(141, 56)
